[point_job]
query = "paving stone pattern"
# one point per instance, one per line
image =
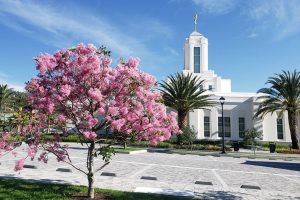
(277, 179)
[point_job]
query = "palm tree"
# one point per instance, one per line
(19, 101)
(184, 93)
(283, 96)
(21, 108)
(5, 96)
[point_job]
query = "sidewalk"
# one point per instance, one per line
(242, 153)
(167, 171)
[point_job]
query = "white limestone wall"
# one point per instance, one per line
(194, 121)
(270, 128)
(225, 86)
(233, 108)
(204, 55)
(196, 40)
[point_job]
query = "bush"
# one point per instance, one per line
(169, 144)
(188, 136)
(292, 151)
(69, 138)
(207, 142)
(252, 136)
(278, 145)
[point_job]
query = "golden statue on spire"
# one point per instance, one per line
(195, 22)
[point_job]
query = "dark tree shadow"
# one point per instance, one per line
(186, 194)
(167, 151)
(278, 165)
(17, 188)
(221, 195)
(43, 180)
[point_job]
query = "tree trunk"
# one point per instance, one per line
(292, 116)
(91, 190)
(19, 120)
(48, 127)
(125, 144)
(90, 166)
(182, 119)
(182, 123)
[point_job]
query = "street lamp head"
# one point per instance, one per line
(222, 100)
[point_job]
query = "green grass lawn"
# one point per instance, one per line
(12, 189)
(127, 150)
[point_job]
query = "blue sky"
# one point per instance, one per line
(249, 41)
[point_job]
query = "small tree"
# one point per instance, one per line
(189, 135)
(251, 137)
(5, 99)
(77, 85)
(283, 95)
(184, 93)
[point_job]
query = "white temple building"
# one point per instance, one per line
(239, 107)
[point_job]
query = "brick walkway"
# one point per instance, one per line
(203, 176)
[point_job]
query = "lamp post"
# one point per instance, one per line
(222, 100)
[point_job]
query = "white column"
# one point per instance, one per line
(191, 60)
(204, 56)
(186, 51)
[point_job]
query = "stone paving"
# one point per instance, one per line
(175, 174)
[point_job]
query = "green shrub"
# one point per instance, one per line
(207, 142)
(278, 145)
(169, 144)
(188, 136)
(292, 151)
(252, 136)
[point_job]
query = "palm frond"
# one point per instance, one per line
(184, 92)
(282, 95)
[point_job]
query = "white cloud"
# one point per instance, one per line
(280, 17)
(171, 51)
(15, 86)
(156, 27)
(252, 35)
(4, 75)
(216, 7)
(61, 29)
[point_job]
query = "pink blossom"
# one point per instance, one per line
(113, 111)
(43, 157)
(124, 110)
(123, 95)
(31, 151)
(133, 62)
(117, 124)
(19, 164)
(60, 156)
(95, 94)
(91, 121)
(2, 144)
(65, 90)
(61, 118)
(89, 135)
(50, 107)
(45, 62)
(100, 111)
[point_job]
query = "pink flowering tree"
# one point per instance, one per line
(77, 86)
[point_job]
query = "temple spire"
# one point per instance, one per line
(195, 22)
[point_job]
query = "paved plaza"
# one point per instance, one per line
(206, 177)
